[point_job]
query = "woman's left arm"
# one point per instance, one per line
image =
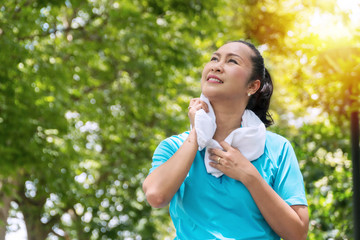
(289, 222)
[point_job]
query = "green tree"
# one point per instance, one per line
(89, 88)
(311, 48)
(87, 91)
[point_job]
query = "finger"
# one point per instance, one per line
(215, 158)
(225, 146)
(205, 106)
(197, 106)
(192, 102)
(194, 99)
(196, 102)
(216, 152)
(217, 166)
(194, 106)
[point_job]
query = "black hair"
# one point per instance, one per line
(260, 101)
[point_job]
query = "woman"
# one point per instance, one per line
(243, 182)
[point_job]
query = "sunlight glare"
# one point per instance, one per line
(331, 26)
(328, 26)
(351, 6)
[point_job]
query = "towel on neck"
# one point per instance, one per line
(249, 138)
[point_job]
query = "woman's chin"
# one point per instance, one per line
(211, 93)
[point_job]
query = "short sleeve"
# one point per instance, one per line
(162, 153)
(166, 149)
(289, 183)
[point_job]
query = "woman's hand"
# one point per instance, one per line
(195, 105)
(289, 222)
(231, 162)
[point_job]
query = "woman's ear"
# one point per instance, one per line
(254, 86)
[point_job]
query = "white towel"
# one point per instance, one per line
(249, 138)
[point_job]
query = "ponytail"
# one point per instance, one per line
(260, 101)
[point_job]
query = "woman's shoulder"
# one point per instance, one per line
(276, 144)
(275, 138)
(176, 141)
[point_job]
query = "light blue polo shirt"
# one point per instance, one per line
(206, 207)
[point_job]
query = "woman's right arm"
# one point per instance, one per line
(162, 184)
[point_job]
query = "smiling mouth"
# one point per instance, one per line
(211, 79)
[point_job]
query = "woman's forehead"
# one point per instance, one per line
(237, 49)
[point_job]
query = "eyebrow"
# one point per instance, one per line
(229, 54)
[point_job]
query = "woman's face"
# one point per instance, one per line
(228, 72)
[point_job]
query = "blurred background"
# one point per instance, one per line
(88, 89)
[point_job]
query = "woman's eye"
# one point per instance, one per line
(214, 59)
(233, 61)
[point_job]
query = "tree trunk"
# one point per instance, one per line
(5, 200)
(4, 213)
(356, 171)
(32, 209)
(36, 230)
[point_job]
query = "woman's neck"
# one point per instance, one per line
(228, 117)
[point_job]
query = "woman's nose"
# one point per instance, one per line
(217, 67)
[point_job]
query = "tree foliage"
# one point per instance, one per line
(87, 91)
(89, 88)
